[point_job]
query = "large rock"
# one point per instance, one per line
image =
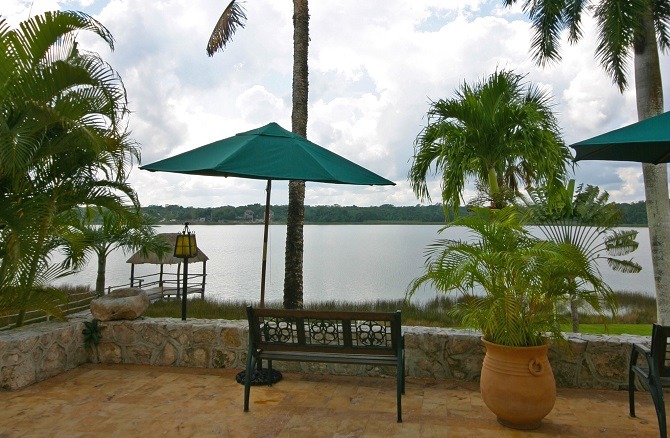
(128, 303)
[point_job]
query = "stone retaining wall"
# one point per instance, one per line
(40, 351)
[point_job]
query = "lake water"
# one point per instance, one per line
(341, 262)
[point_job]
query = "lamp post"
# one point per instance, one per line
(185, 247)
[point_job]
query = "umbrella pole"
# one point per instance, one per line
(265, 241)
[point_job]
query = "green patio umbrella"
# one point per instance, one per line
(269, 153)
(647, 141)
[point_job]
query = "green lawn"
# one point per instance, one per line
(614, 329)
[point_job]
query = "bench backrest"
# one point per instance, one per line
(660, 349)
(325, 331)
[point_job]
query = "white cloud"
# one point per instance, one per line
(374, 67)
(631, 178)
(259, 106)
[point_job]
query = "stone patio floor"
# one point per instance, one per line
(132, 400)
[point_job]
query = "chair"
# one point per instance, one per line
(655, 376)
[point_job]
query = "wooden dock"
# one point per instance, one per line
(160, 293)
(166, 283)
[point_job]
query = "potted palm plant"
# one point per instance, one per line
(511, 286)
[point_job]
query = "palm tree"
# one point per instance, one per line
(623, 27)
(500, 132)
(63, 144)
(128, 232)
(586, 220)
(232, 18)
(509, 281)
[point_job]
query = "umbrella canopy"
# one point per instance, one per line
(269, 152)
(647, 141)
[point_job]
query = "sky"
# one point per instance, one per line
(374, 68)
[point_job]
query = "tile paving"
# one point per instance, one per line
(132, 400)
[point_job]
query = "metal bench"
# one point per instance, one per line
(655, 375)
(367, 338)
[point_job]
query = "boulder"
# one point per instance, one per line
(128, 303)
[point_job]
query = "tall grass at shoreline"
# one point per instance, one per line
(637, 311)
(634, 309)
(432, 313)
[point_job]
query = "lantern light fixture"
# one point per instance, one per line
(185, 246)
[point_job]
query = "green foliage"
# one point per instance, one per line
(618, 23)
(320, 214)
(510, 282)
(127, 229)
(63, 143)
(632, 214)
(586, 220)
(499, 133)
(92, 332)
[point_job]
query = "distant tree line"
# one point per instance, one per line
(632, 214)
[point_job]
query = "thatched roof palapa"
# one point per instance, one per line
(168, 259)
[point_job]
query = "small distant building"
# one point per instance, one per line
(249, 215)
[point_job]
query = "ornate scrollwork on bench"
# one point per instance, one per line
(323, 331)
(280, 330)
(373, 333)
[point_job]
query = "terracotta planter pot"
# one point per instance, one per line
(517, 384)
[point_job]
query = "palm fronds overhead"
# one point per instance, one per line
(232, 18)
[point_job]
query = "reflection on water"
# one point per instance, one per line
(342, 262)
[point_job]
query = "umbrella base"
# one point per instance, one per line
(260, 377)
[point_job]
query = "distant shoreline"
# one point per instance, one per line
(350, 223)
(632, 215)
(308, 223)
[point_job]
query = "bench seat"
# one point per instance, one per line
(298, 356)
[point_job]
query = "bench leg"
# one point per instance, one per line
(399, 397)
(659, 405)
(400, 385)
(403, 371)
(631, 383)
(247, 380)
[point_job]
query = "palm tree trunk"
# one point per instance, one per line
(100, 279)
(494, 188)
(295, 217)
(574, 313)
(649, 96)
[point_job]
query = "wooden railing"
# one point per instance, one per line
(171, 284)
(76, 302)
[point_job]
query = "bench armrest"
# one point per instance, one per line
(642, 349)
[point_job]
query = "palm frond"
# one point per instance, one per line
(548, 22)
(63, 143)
(661, 12)
(624, 266)
(499, 132)
(618, 23)
(621, 242)
(232, 18)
